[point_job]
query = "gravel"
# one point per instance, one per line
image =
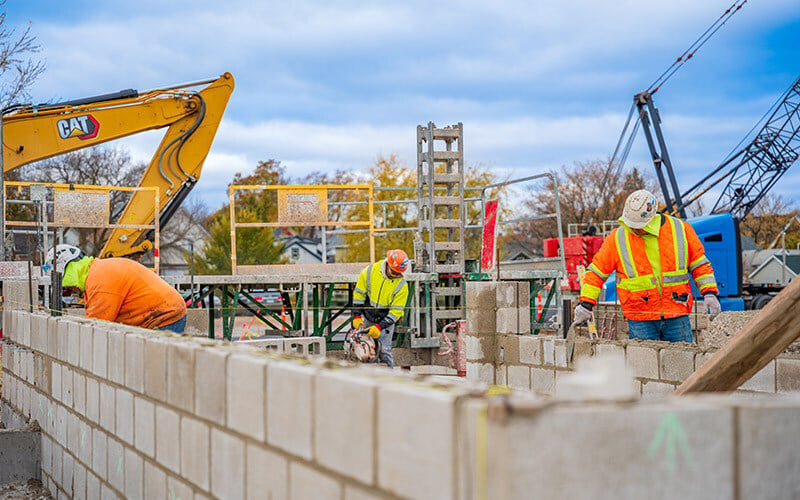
(28, 490)
(726, 325)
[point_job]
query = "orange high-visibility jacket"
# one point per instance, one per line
(682, 254)
(125, 291)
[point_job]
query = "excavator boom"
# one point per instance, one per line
(191, 117)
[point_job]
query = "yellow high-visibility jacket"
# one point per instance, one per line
(380, 300)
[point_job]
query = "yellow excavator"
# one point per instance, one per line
(32, 133)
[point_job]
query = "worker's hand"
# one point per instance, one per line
(357, 322)
(374, 331)
(712, 303)
(582, 314)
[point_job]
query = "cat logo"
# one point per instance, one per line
(83, 127)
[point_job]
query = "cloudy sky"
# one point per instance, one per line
(322, 85)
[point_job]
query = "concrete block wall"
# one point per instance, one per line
(133, 413)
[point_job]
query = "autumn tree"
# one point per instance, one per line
(253, 245)
(768, 218)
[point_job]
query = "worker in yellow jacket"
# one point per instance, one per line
(654, 256)
(121, 290)
(380, 298)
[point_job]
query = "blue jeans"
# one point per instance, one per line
(671, 329)
(386, 344)
(176, 327)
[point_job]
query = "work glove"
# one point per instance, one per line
(374, 331)
(712, 303)
(583, 313)
(357, 322)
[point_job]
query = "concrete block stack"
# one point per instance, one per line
(482, 316)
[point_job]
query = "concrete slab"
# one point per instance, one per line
(20, 455)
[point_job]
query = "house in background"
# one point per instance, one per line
(773, 271)
(302, 250)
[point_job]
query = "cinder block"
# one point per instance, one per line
(642, 439)
(642, 360)
(92, 400)
(116, 464)
(309, 483)
(560, 352)
(763, 380)
(144, 426)
(106, 493)
(701, 358)
(501, 375)
(289, 409)
(530, 350)
(100, 351)
(210, 384)
(676, 364)
(543, 381)
(79, 397)
(86, 336)
(180, 374)
(610, 349)
(272, 345)
(84, 450)
(92, 486)
(167, 438)
(67, 473)
(74, 344)
(39, 333)
(524, 318)
(584, 348)
(481, 294)
(474, 348)
(124, 416)
(116, 356)
(481, 321)
(134, 474)
(337, 450)
(178, 489)
(108, 407)
(245, 394)
(227, 465)
(195, 451)
(47, 455)
(267, 474)
(656, 390)
(507, 320)
(506, 294)
(99, 447)
(66, 386)
(768, 464)
(58, 462)
(519, 377)
(788, 374)
(79, 481)
(61, 425)
(73, 433)
(548, 351)
(480, 372)
(197, 321)
(306, 346)
(401, 468)
(52, 337)
(155, 366)
(155, 482)
(134, 362)
(507, 350)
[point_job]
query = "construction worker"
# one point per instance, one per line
(121, 290)
(379, 300)
(653, 254)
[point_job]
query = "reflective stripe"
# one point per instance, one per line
(706, 280)
(681, 244)
(358, 290)
(590, 291)
(638, 283)
(596, 271)
(676, 278)
(392, 316)
(624, 251)
(699, 262)
(369, 278)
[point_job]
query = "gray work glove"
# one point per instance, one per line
(712, 303)
(582, 314)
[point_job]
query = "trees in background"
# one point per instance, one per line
(19, 66)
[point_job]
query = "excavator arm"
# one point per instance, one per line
(191, 116)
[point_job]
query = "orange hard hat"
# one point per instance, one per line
(397, 260)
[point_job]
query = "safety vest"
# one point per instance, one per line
(382, 299)
(644, 296)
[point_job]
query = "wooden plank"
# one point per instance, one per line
(760, 341)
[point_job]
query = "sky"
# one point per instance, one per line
(327, 85)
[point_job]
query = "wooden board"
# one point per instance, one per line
(760, 341)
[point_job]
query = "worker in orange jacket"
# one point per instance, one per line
(121, 290)
(654, 256)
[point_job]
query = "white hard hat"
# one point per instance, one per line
(640, 207)
(64, 255)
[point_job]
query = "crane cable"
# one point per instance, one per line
(695, 46)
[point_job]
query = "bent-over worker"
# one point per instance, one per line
(121, 290)
(654, 256)
(380, 298)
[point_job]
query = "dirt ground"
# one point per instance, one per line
(29, 490)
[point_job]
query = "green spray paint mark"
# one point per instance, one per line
(83, 438)
(670, 432)
(119, 467)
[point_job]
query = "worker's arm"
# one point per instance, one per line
(360, 292)
(699, 265)
(103, 305)
(396, 308)
(603, 264)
